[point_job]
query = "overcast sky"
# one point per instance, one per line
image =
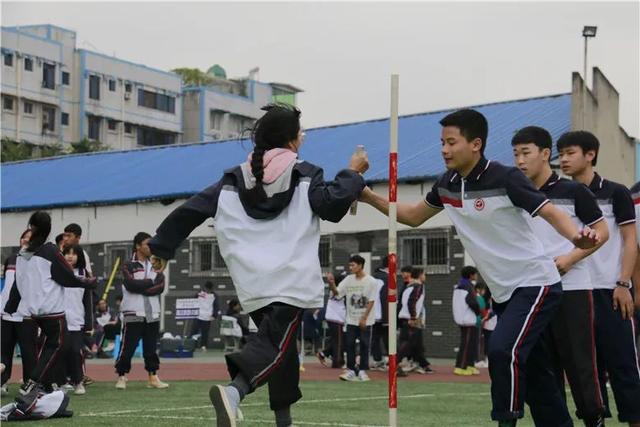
(341, 54)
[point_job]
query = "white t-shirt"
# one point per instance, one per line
(358, 293)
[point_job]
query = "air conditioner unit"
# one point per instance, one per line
(127, 96)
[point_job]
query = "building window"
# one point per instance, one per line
(437, 251)
(65, 78)
(114, 251)
(94, 87)
(8, 59)
(28, 64)
(156, 101)
(206, 259)
(149, 136)
(127, 87)
(112, 85)
(217, 119)
(128, 128)
(48, 76)
(65, 119)
(429, 250)
(112, 125)
(324, 253)
(7, 103)
(28, 107)
(94, 127)
(48, 119)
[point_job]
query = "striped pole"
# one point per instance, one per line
(393, 262)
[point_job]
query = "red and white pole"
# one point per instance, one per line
(393, 261)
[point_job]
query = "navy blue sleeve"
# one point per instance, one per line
(183, 220)
(522, 192)
(623, 208)
(586, 205)
(331, 200)
(433, 197)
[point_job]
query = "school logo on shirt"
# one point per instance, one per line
(478, 204)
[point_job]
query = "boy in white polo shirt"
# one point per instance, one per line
(610, 268)
(360, 291)
(572, 330)
(489, 203)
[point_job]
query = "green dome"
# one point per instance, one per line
(217, 71)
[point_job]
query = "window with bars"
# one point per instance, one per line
(429, 250)
(113, 252)
(324, 252)
(206, 259)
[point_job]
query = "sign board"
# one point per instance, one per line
(187, 308)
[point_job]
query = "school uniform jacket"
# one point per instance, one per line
(141, 291)
(41, 277)
(270, 247)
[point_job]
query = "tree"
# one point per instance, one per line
(193, 77)
(14, 151)
(87, 146)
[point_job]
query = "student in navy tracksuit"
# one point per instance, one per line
(489, 204)
(266, 215)
(15, 328)
(610, 268)
(42, 274)
(572, 332)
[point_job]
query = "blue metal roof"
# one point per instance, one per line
(182, 170)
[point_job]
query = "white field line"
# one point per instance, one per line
(303, 401)
(245, 421)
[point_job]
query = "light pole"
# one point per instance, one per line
(587, 32)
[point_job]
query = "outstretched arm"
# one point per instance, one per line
(409, 214)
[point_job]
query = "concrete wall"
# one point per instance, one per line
(597, 110)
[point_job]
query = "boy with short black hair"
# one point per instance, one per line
(572, 329)
(360, 291)
(489, 203)
(610, 270)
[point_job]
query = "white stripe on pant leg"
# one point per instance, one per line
(635, 346)
(515, 345)
(122, 336)
(275, 360)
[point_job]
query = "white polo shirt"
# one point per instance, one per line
(580, 204)
(490, 210)
(618, 209)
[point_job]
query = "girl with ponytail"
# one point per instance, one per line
(266, 214)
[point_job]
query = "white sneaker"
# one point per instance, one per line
(122, 383)
(481, 364)
(203, 348)
(80, 390)
(226, 412)
(67, 387)
(362, 375)
(349, 375)
(4, 390)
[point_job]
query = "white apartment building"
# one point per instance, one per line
(54, 92)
